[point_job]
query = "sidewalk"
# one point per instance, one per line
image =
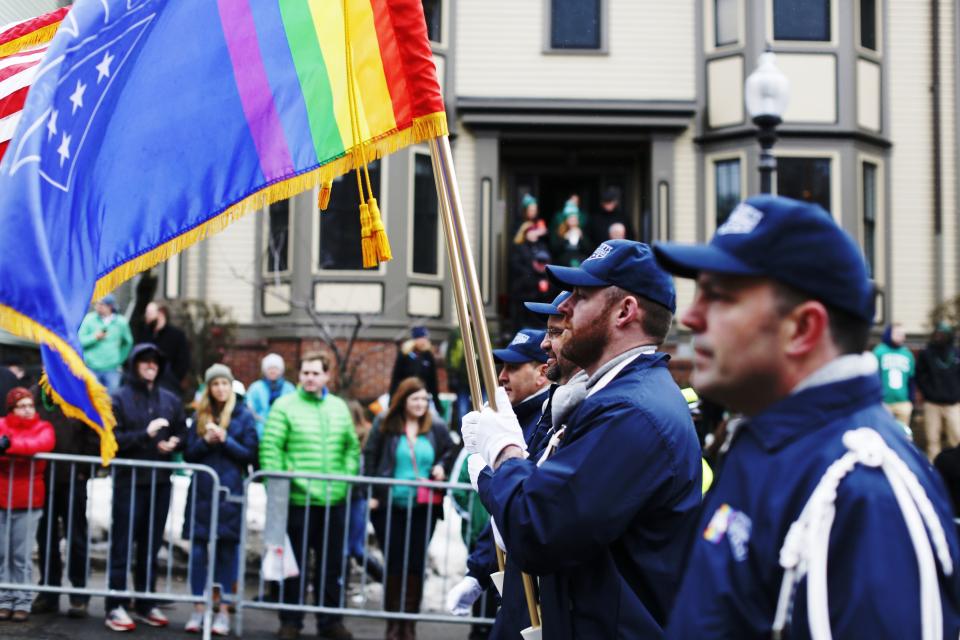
(258, 625)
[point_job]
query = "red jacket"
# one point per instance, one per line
(27, 437)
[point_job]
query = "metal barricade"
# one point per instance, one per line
(102, 514)
(404, 529)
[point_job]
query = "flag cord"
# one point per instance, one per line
(375, 246)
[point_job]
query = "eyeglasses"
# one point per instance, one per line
(24, 405)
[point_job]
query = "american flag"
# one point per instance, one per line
(22, 46)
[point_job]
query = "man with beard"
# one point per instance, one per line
(602, 519)
(824, 519)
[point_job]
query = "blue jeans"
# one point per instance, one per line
(358, 527)
(225, 565)
(18, 528)
(109, 379)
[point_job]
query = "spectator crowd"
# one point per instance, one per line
(592, 469)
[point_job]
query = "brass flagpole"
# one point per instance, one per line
(467, 293)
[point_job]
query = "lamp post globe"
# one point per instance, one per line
(767, 93)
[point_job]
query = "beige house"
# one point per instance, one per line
(553, 97)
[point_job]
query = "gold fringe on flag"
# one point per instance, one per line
(40, 36)
(20, 325)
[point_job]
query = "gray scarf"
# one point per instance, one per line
(569, 396)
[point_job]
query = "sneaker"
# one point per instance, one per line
(118, 620)
(6, 614)
(154, 617)
(195, 623)
(335, 631)
(20, 615)
(45, 603)
(221, 625)
(78, 609)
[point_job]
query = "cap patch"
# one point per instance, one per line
(520, 338)
(600, 252)
(743, 219)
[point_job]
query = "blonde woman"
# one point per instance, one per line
(223, 437)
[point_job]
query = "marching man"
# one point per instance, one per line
(603, 519)
(824, 521)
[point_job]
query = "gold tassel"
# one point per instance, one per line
(323, 197)
(380, 239)
(366, 238)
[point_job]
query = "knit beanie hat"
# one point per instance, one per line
(15, 395)
(217, 371)
(272, 360)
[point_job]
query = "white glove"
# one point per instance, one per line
(462, 596)
(496, 535)
(489, 432)
(475, 464)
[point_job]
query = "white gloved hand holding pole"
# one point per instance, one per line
(489, 432)
(462, 596)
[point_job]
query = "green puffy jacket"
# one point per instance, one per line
(307, 434)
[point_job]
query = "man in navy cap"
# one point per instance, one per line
(822, 510)
(603, 516)
(523, 376)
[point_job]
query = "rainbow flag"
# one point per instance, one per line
(152, 124)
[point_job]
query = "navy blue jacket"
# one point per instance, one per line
(134, 407)
(602, 521)
(730, 587)
(229, 460)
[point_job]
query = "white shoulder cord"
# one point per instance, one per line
(806, 546)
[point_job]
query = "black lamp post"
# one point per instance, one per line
(767, 92)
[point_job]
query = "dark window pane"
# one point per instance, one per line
(868, 24)
(727, 173)
(801, 19)
(340, 223)
(431, 11)
(425, 217)
(575, 24)
(725, 14)
(870, 216)
(278, 240)
(805, 179)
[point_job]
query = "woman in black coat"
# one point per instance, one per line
(406, 445)
(223, 437)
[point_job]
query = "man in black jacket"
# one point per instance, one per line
(938, 378)
(172, 341)
(150, 427)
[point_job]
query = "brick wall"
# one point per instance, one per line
(375, 360)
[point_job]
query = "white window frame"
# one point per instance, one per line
(422, 150)
(712, 159)
(604, 32)
(809, 44)
(835, 169)
(880, 241)
(315, 231)
(265, 245)
(710, 29)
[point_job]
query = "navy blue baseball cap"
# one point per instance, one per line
(548, 308)
(793, 242)
(525, 347)
(623, 263)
